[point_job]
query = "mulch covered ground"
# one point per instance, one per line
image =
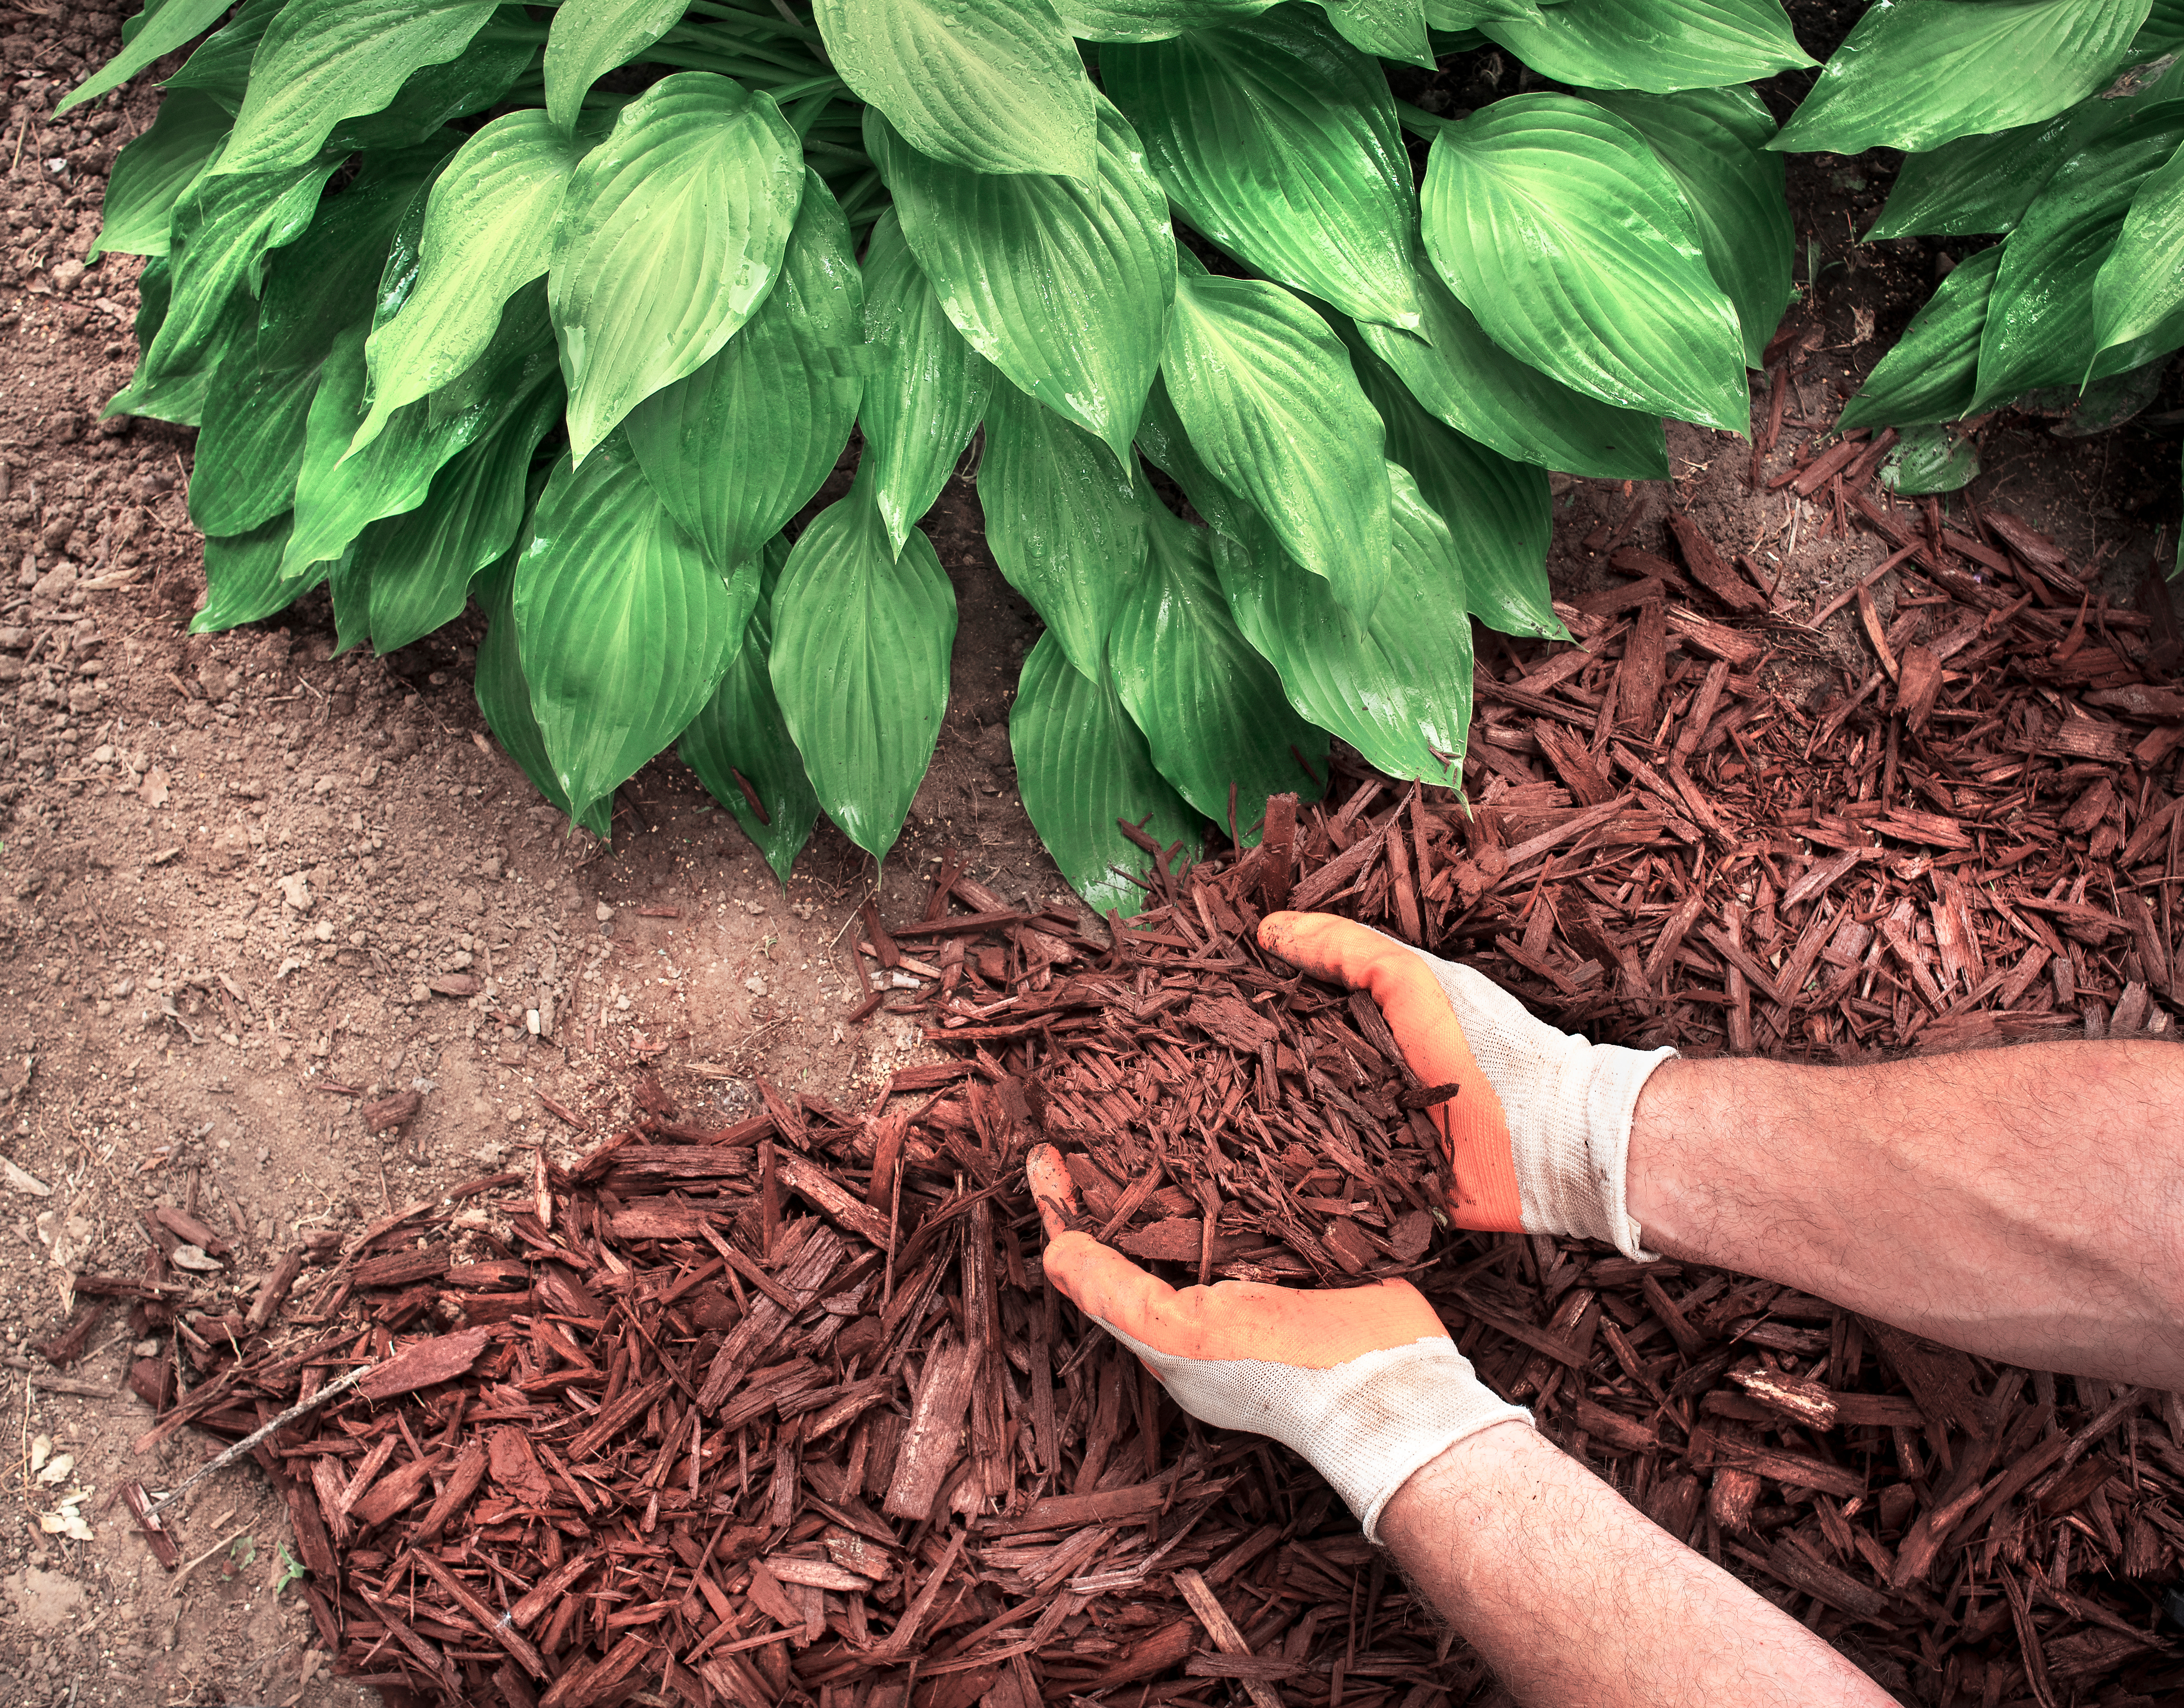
(784, 1411)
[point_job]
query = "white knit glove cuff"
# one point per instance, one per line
(1366, 1426)
(1569, 1104)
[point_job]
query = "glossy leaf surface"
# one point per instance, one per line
(1277, 140)
(929, 387)
(859, 665)
(1931, 459)
(1553, 222)
(2040, 317)
(1915, 74)
(338, 496)
(1081, 766)
(172, 26)
(738, 447)
(223, 228)
(250, 445)
(1658, 45)
(1713, 142)
(151, 175)
(2141, 284)
(1397, 688)
(984, 85)
(1463, 377)
(1931, 374)
(1152, 20)
(242, 578)
(419, 564)
(1982, 184)
(1500, 514)
(1386, 29)
(669, 238)
(625, 631)
(590, 38)
(1266, 391)
(322, 61)
(488, 232)
(505, 698)
(1210, 706)
(740, 747)
(1063, 285)
(1064, 527)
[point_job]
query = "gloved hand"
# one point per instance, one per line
(1364, 1382)
(1539, 1138)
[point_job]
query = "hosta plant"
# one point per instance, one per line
(571, 309)
(2059, 128)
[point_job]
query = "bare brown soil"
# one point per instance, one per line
(231, 867)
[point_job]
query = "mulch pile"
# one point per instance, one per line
(784, 1410)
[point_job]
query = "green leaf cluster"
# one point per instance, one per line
(2056, 127)
(576, 310)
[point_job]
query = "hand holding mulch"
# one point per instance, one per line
(1537, 1138)
(1364, 1383)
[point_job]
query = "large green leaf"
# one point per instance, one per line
(151, 175)
(221, 66)
(1068, 530)
(1553, 222)
(1931, 459)
(625, 630)
(2141, 284)
(180, 399)
(505, 696)
(322, 61)
(242, 579)
(488, 232)
(1914, 73)
(326, 281)
(1500, 514)
(860, 664)
(250, 446)
(1151, 20)
(1713, 143)
(1210, 707)
(1931, 374)
(2039, 319)
(738, 447)
(984, 85)
(1659, 45)
(1266, 393)
(1386, 29)
(223, 228)
(1277, 140)
(1463, 376)
(338, 495)
(1081, 766)
(163, 31)
(1063, 285)
(669, 238)
(740, 747)
(1984, 183)
(928, 388)
(590, 38)
(1397, 688)
(419, 564)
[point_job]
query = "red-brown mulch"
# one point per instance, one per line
(785, 1411)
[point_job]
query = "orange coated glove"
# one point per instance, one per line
(1537, 1138)
(1364, 1382)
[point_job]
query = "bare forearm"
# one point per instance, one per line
(1574, 1598)
(2027, 1204)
